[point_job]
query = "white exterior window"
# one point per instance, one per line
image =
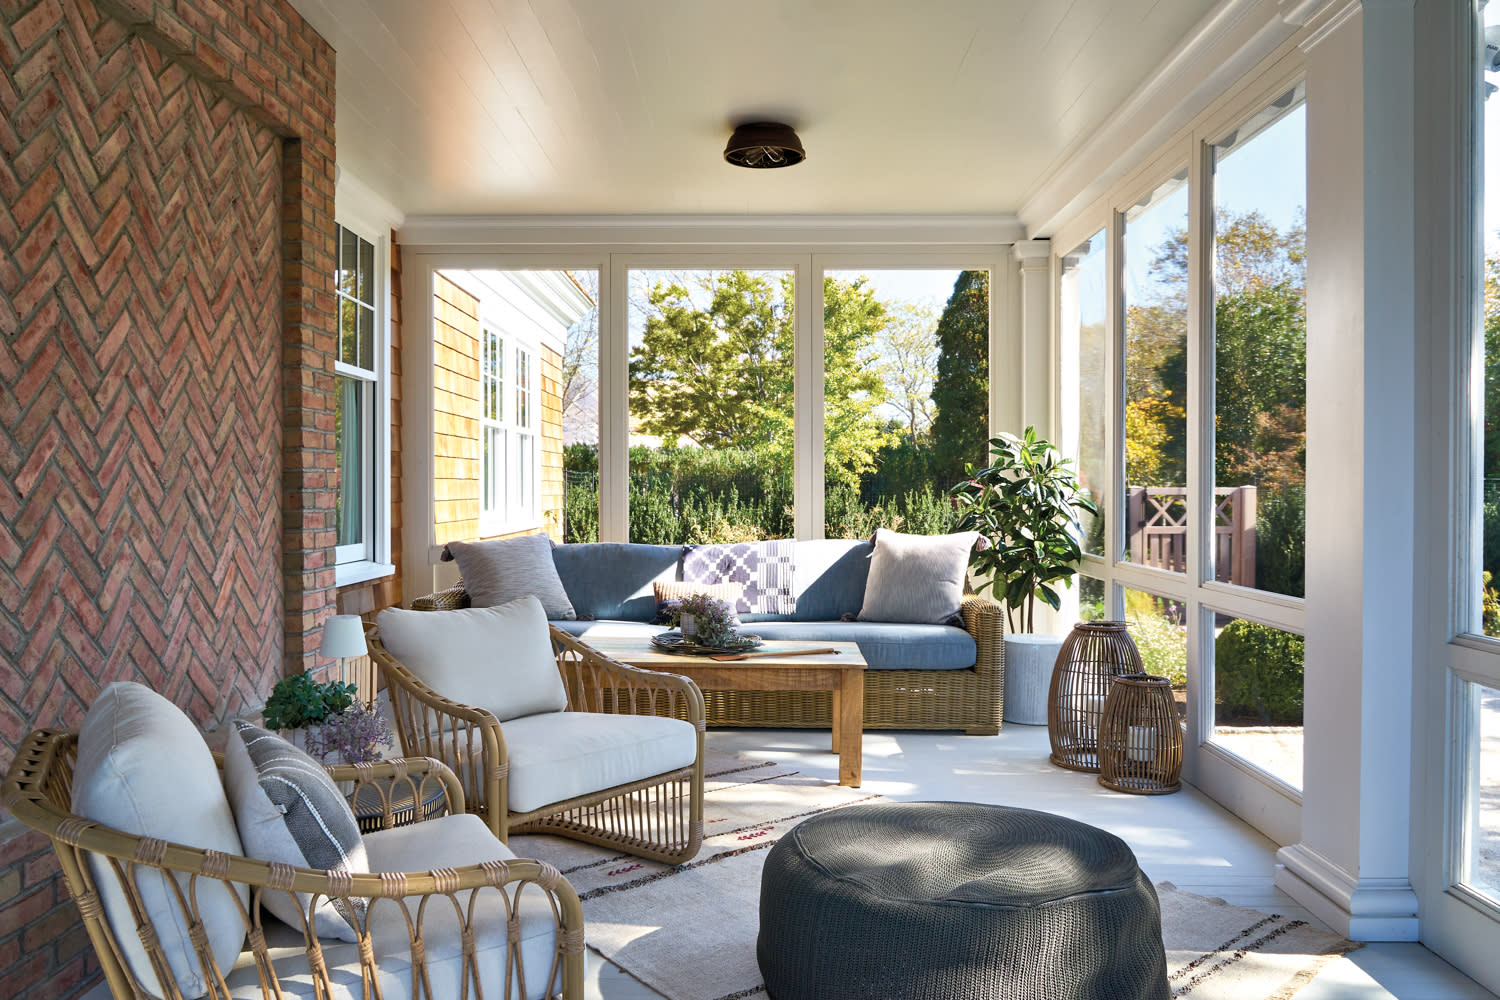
(355, 382)
(507, 434)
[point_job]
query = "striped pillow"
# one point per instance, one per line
(671, 592)
(287, 809)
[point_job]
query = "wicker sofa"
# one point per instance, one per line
(940, 677)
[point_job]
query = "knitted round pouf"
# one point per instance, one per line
(954, 900)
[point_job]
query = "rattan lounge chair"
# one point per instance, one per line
(659, 817)
(438, 933)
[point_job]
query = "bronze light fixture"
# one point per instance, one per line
(764, 145)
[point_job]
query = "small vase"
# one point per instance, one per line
(688, 626)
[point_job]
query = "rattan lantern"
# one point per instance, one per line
(1091, 656)
(1140, 739)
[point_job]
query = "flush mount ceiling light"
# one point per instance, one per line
(762, 145)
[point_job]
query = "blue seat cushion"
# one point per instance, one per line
(608, 629)
(885, 645)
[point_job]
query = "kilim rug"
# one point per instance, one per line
(689, 932)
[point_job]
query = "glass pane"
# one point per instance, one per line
(1481, 867)
(1159, 627)
(348, 332)
(1085, 369)
(905, 396)
(1485, 614)
(1155, 291)
(1092, 605)
(366, 292)
(710, 405)
(580, 419)
(1258, 696)
(1260, 349)
(348, 279)
(349, 430)
(366, 338)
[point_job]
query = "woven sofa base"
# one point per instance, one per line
(894, 699)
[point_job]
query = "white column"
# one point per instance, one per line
(1353, 864)
(1036, 364)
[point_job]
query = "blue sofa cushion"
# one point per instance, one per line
(614, 580)
(608, 629)
(885, 646)
(831, 575)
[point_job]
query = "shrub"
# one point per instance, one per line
(1163, 645)
(1280, 540)
(1259, 673)
(581, 508)
(299, 701)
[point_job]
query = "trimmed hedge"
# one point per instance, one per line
(1259, 674)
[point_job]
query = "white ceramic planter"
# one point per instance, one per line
(1029, 660)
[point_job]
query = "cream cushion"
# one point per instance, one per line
(918, 579)
(563, 755)
(499, 659)
(446, 842)
(143, 768)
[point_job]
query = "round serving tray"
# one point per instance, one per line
(673, 642)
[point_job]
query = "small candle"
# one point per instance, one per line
(1140, 744)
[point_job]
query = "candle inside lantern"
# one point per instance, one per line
(1140, 744)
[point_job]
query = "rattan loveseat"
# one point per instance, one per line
(921, 677)
(459, 929)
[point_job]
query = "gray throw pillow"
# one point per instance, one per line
(500, 571)
(287, 809)
(916, 578)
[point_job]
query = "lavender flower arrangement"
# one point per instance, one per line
(352, 735)
(713, 619)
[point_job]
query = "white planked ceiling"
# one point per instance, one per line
(623, 106)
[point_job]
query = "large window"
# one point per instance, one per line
(1085, 376)
(711, 405)
(905, 395)
(355, 381)
(1156, 334)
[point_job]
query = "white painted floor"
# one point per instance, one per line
(1186, 839)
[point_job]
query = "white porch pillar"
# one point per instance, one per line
(1353, 864)
(1035, 259)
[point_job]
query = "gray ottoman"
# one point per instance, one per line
(949, 900)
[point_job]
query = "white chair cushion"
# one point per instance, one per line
(447, 842)
(143, 768)
(499, 659)
(287, 809)
(562, 755)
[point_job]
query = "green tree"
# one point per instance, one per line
(961, 389)
(910, 353)
(715, 367)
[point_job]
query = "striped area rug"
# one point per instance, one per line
(689, 932)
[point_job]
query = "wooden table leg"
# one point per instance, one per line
(849, 715)
(838, 720)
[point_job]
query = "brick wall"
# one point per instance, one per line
(166, 418)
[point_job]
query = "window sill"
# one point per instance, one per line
(348, 574)
(498, 530)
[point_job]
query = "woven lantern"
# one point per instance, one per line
(1140, 739)
(1091, 656)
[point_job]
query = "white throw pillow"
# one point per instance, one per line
(143, 768)
(289, 810)
(917, 578)
(499, 659)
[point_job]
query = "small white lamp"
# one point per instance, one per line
(344, 640)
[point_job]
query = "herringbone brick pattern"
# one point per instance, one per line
(140, 431)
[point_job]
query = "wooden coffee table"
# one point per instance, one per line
(842, 674)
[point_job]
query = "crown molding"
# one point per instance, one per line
(512, 232)
(1225, 45)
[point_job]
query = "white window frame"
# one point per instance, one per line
(367, 215)
(509, 503)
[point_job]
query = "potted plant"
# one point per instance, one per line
(327, 719)
(706, 620)
(1026, 504)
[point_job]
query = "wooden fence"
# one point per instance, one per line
(1156, 530)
